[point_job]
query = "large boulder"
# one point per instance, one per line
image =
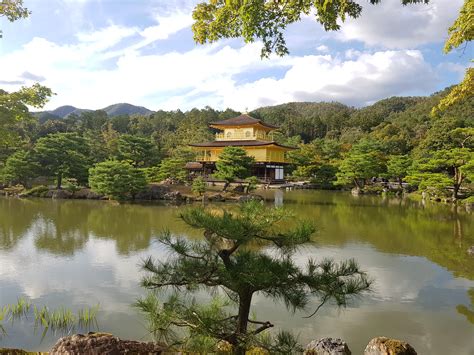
(153, 192)
(174, 196)
(327, 346)
(87, 194)
(239, 188)
(58, 194)
(247, 198)
(215, 198)
(102, 344)
(387, 346)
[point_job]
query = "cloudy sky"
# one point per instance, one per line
(94, 53)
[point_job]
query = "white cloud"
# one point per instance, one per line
(104, 38)
(391, 25)
(362, 80)
(323, 49)
(168, 25)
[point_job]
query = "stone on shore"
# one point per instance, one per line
(327, 346)
(247, 198)
(470, 251)
(102, 344)
(387, 346)
(87, 194)
(58, 194)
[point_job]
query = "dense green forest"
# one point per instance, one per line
(340, 146)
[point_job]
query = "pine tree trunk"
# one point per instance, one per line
(356, 182)
(457, 183)
(242, 323)
(400, 182)
(60, 180)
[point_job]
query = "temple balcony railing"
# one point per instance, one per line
(240, 136)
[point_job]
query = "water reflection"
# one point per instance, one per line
(79, 253)
(468, 312)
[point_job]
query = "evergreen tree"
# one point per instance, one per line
(19, 167)
(450, 166)
(252, 182)
(63, 154)
(398, 166)
(233, 163)
(364, 160)
(227, 259)
(173, 168)
(199, 186)
(136, 149)
(117, 179)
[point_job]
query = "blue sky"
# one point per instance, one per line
(94, 53)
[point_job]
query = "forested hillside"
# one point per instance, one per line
(394, 138)
(112, 110)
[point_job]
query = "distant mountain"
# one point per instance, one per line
(125, 109)
(45, 116)
(112, 110)
(63, 111)
(59, 113)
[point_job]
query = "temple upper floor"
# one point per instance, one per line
(243, 128)
(242, 134)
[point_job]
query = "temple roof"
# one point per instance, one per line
(246, 143)
(242, 120)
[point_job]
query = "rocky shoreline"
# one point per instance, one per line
(108, 344)
(153, 192)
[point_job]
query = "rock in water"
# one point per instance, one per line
(387, 346)
(327, 346)
(102, 344)
(470, 251)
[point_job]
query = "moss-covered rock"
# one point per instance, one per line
(327, 346)
(387, 346)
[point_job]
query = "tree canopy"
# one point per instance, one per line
(14, 108)
(13, 10)
(266, 20)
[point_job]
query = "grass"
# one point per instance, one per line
(88, 317)
(20, 309)
(60, 319)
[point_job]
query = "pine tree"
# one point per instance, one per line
(63, 154)
(117, 179)
(243, 253)
(199, 186)
(233, 163)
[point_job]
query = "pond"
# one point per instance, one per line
(81, 253)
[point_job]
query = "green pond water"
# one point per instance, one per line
(80, 253)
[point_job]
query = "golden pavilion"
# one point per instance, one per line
(252, 135)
